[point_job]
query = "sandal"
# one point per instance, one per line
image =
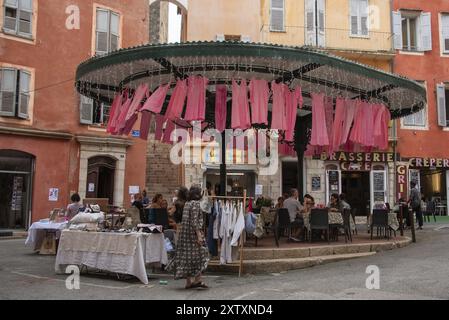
(199, 285)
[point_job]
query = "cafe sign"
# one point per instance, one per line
(359, 157)
(428, 163)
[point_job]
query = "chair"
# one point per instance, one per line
(281, 223)
(319, 220)
(134, 214)
(347, 224)
(380, 221)
(158, 217)
(430, 211)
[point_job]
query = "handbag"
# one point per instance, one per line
(205, 202)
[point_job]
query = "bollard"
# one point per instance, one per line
(412, 225)
(401, 219)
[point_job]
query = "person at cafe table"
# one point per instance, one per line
(294, 208)
(334, 204)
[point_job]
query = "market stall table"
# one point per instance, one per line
(38, 231)
(121, 253)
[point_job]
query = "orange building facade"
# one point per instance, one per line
(421, 39)
(52, 142)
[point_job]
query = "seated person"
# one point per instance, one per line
(139, 205)
(294, 208)
(343, 203)
(74, 207)
(309, 203)
(156, 203)
(280, 203)
(334, 204)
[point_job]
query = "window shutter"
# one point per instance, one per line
(310, 23)
(102, 32)
(24, 97)
(8, 84)
(277, 15)
(426, 31)
(86, 110)
(364, 14)
(321, 23)
(354, 17)
(25, 16)
(397, 29)
(441, 104)
(11, 15)
(445, 32)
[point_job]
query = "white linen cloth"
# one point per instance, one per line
(129, 256)
(239, 226)
(36, 233)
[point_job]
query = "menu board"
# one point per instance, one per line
(17, 194)
(333, 182)
(378, 181)
(316, 183)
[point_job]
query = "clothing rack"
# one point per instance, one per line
(244, 198)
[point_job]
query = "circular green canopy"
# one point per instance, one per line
(315, 71)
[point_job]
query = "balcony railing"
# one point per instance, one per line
(336, 39)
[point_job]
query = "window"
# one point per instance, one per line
(417, 119)
(18, 17)
(14, 93)
(315, 17)
(445, 33)
(94, 112)
(412, 31)
(107, 34)
(359, 18)
(277, 22)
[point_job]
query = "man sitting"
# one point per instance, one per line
(294, 208)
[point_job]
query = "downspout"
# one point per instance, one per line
(395, 138)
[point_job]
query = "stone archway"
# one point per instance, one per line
(159, 30)
(183, 4)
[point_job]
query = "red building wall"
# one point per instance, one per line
(54, 56)
(433, 69)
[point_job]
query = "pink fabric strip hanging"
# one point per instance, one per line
(177, 101)
(121, 120)
(259, 96)
(350, 110)
(382, 120)
(129, 125)
(137, 100)
(319, 131)
(115, 109)
(356, 132)
(339, 120)
(329, 111)
(196, 98)
(240, 106)
(278, 112)
(292, 100)
(368, 125)
(221, 107)
(169, 128)
(156, 101)
(160, 120)
(145, 122)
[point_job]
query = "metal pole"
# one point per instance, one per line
(412, 225)
(401, 219)
(223, 165)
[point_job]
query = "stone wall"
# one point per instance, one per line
(315, 168)
(159, 22)
(162, 176)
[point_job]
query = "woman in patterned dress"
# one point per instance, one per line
(192, 255)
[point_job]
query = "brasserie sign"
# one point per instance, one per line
(360, 157)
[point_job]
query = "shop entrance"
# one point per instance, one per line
(237, 182)
(100, 178)
(15, 189)
(356, 186)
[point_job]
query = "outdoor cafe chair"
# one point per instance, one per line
(430, 211)
(379, 220)
(353, 215)
(282, 223)
(319, 220)
(347, 224)
(158, 217)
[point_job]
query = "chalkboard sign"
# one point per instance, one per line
(378, 181)
(316, 183)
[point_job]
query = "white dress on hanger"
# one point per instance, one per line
(238, 227)
(225, 234)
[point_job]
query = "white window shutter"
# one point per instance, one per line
(8, 85)
(397, 29)
(441, 104)
(426, 31)
(86, 110)
(310, 28)
(277, 15)
(10, 23)
(364, 17)
(24, 95)
(445, 32)
(354, 17)
(102, 41)
(321, 23)
(220, 37)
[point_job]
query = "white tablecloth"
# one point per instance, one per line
(36, 233)
(129, 256)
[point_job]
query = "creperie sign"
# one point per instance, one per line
(428, 163)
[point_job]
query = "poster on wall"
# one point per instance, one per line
(17, 194)
(316, 183)
(259, 189)
(53, 194)
(134, 189)
(91, 187)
